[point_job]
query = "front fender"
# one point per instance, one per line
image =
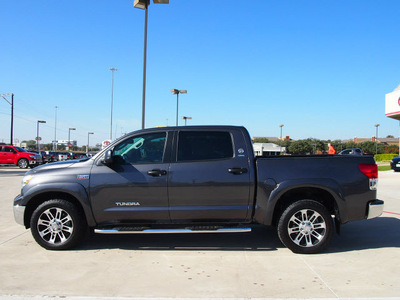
(269, 194)
(35, 194)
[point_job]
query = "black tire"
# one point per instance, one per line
(23, 163)
(306, 227)
(58, 224)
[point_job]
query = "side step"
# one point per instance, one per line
(204, 229)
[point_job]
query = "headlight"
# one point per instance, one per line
(26, 180)
(32, 156)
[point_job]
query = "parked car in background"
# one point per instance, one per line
(351, 151)
(53, 156)
(395, 164)
(45, 156)
(10, 155)
(62, 156)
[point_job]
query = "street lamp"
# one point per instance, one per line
(112, 97)
(87, 148)
(144, 4)
(55, 130)
(280, 144)
(376, 137)
(177, 92)
(12, 113)
(69, 136)
(37, 135)
(186, 118)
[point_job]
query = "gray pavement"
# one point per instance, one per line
(362, 263)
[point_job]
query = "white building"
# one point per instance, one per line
(65, 142)
(266, 149)
(393, 104)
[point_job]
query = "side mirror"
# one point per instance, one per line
(108, 158)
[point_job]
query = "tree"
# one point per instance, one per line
(301, 147)
(31, 144)
(368, 147)
(260, 140)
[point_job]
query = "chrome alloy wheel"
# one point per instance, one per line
(55, 225)
(306, 228)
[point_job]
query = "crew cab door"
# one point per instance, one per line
(209, 177)
(133, 187)
(7, 155)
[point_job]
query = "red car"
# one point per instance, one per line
(11, 155)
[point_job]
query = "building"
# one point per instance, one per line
(65, 142)
(393, 104)
(268, 149)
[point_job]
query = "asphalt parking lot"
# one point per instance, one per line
(363, 262)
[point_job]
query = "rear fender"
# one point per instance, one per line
(273, 199)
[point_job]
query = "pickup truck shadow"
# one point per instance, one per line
(383, 232)
(260, 239)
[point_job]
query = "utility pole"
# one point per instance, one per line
(12, 113)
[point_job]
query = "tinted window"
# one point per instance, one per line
(147, 148)
(204, 145)
(8, 149)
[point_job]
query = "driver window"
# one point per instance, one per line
(142, 149)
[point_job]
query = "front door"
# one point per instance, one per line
(133, 189)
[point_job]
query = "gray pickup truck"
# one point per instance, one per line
(196, 179)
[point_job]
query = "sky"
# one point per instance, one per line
(320, 68)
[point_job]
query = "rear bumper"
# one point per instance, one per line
(375, 209)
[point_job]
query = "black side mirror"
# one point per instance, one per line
(108, 158)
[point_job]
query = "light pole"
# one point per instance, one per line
(144, 4)
(177, 92)
(37, 135)
(69, 136)
(376, 137)
(186, 118)
(112, 97)
(87, 148)
(12, 113)
(280, 144)
(55, 130)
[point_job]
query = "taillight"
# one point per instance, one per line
(371, 171)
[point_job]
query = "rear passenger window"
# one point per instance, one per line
(204, 145)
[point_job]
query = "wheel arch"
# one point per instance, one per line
(317, 194)
(44, 196)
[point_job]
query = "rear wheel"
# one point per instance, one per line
(58, 225)
(23, 163)
(306, 227)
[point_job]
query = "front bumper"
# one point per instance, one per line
(19, 211)
(375, 209)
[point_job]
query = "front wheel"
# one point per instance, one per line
(58, 225)
(306, 227)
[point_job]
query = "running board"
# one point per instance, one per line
(169, 230)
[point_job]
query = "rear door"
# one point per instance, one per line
(209, 177)
(7, 155)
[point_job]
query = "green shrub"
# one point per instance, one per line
(384, 157)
